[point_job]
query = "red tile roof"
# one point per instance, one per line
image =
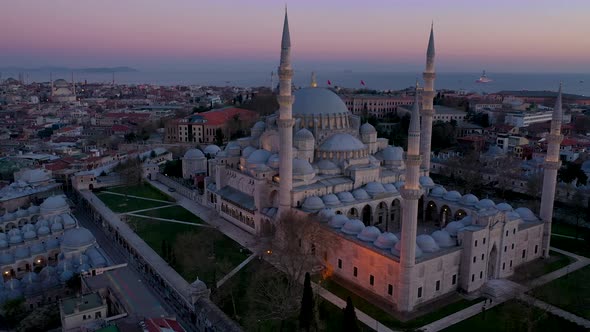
(162, 324)
(222, 115)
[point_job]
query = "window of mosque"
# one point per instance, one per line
(371, 280)
(506, 233)
(419, 292)
(513, 246)
(390, 289)
(474, 258)
(438, 285)
(514, 231)
(476, 243)
(504, 266)
(536, 248)
(482, 256)
(454, 279)
(505, 248)
(480, 274)
(510, 263)
(355, 271)
(484, 240)
(472, 277)
(339, 263)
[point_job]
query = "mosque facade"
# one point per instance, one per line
(403, 238)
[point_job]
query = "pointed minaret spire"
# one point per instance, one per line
(286, 40)
(550, 168)
(430, 51)
(427, 111)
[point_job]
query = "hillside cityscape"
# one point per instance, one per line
(310, 206)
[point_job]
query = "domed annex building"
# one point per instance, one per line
(403, 238)
(41, 248)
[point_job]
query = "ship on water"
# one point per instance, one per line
(483, 78)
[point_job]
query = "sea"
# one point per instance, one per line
(572, 83)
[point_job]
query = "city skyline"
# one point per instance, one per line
(374, 36)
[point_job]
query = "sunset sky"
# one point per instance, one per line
(372, 35)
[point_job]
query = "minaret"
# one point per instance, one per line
(411, 193)
(73, 85)
(427, 107)
(551, 165)
(51, 81)
(285, 122)
(314, 82)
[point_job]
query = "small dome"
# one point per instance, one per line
(313, 203)
(367, 128)
(42, 222)
(259, 157)
(342, 142)
(47, 271)
(52, 243)
(302, 167)
(485, 203)
(43, 230)
(338, 221)
(21, 213)
(427, 243)
(326, 214)
(374, 188)
(193, 154)
(452, 196)
(274, 161)
(3, 236)
(197, 287)
(453, 227)
(15, 239)
(352, 227)
(84, 267)
(30, 235)
(391, 153)
(398, 245)
(443, 239)
(6, 258)
(54, 204)
(526, 214)
(14, 232)
(390, 188)
(27, 228)
(360, 194)
(66, 275)
(505, 207)
(9, 216)
(346, 197)
(3, 244)
(438, 191)
(212, 149)
(426, 181)
(30, 277)
(50, 282)
(369, 234)
(466, 221)
(331, 200)
(386, 241)
(64, 265)
(326, 165)
(33, 209)
(261, 126)
(399, 184)
(469, 200)
(77, 238)
(68, 221)
(33, 176)
(12, 284)
(248, 151)
(56, 227)
(21, 253)
(37, 248)
(512, 215)
(303, 135)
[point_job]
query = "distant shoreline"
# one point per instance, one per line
(98, 70)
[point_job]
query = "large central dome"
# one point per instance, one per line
(317, 101)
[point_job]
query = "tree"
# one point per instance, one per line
(533, 188)
(153, 154)
(571, 172)
(306, 313)
(349, 320)
(173, 168)
(131, 171)
(75, 283)
(14, 311)
(219, 136)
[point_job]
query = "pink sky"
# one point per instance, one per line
(501, 35)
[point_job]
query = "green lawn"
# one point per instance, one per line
(142, 190)
(121, 204)
(387, 319)
(245, 309)
(569, 230)
(514, 316)
(173, 212)
(580, 247)
(541, 266)
(202, 252)
(570, 292)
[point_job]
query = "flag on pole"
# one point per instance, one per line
(362, 83)
(329, 83)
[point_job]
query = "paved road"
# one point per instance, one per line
(126, 282)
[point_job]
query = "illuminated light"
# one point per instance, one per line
(269, 251)
(38, 261)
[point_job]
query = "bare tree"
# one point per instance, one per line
(130, 171)
(507, 171)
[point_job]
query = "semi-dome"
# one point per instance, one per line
(259, 157)
(313, 203)
(331, 200)
(469, 200)
(352, 227)
(505, 207)
(317, 101)
(426, 181)
(438, 191)
(374, 188)
(326, 165)
(345, 197)
(468, 220)
(193, 154)
(338, 221)
(274, 161)
(42, 222)
(212, 149)
(367, 128)
(34, 175)
(452, 196)
(302, 167)
(453, 227)
(485, 203)
(248, 151)
(33, 209)
(443, 239)
(393, 153)
(54, 204)
(360, 194)
(77, 238)
(342, 142)
(427, 243)
(369, 234)
(303, 135)
(386, 241)
(390, 188)
(526, 214)
(14, 231)
(326, 214)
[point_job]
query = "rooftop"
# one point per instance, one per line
(83, 303)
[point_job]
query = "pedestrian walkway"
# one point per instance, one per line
(236, 269)
(170, 220)
(138, 197)
(145, 210)
(556, 311)
(568, 236)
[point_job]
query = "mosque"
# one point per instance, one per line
(61, 92)
(403, 238)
